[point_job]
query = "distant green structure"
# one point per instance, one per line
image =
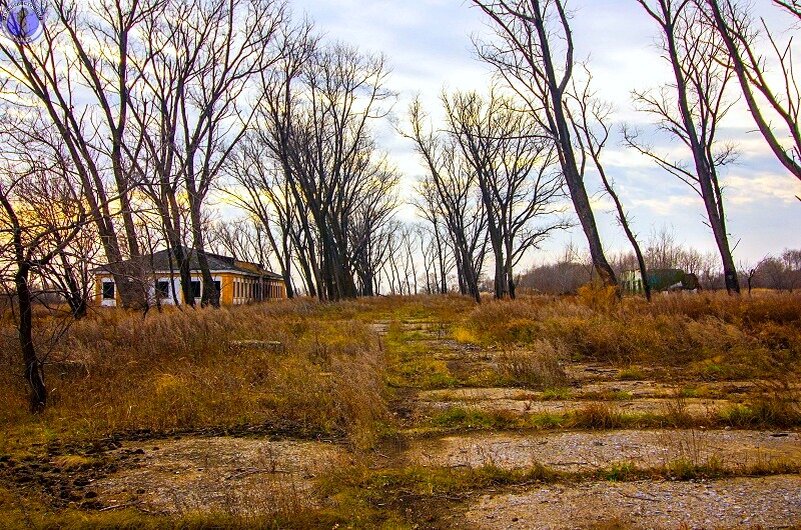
(659, 280)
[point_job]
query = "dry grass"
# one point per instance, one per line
(541, 365)
(184, 370)
(333, 375)
(712, 336)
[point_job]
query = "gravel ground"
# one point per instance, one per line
(582, 451)
(234, 475)
(770, 502)
(693, 406)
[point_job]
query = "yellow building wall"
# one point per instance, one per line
(227, 289)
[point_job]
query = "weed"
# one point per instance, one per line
(618, 395)
(675, 412)
(687, 469)
(461, 418)
(599, 416)
(631, 373)
(761, 413)
(545, 420)
(463, 335)
(598, 297)
(618, 472)
(556, 394)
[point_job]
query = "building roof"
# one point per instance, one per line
(164, 261)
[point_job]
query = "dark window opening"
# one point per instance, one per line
(108, 290)
(163, 289)
(195, 288)
(218, 287)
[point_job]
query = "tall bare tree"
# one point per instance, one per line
(781, 98)
(437, 254)
(514, 168)
(691, 110)
(591, 123)
(315, 122)
(242, 238)
(193, 107)
(29, 241)
(534, 54)
(448, 196)
(260, 189)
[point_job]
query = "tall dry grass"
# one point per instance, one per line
(115, 372)
(711, 335)
(541, 365)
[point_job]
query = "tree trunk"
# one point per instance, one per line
(33, 367)
(722, 240)
(74, 295)
(176, 251)
(584, 211)
(574, 179)
(210, 294)
(442, 286)
(707, 180)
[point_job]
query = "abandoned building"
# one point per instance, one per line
(239, 282)
(659, 280)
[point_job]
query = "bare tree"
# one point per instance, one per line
(261, 190)
(437, 254)
(534, 54)
(449, 198)
(243, 239)
(194, 107)
(691, 111)
(740, 34)
(76, 80)
(51, 197)
(749, 273)
(311, 163)
(28, 245)
(515, 176)
(570, 271)
(773, 273)
(591, 124)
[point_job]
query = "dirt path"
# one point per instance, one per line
(240, 476)
(768, 502)
(586, 451)
(772, 501)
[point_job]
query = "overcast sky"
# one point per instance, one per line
(428, 46)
